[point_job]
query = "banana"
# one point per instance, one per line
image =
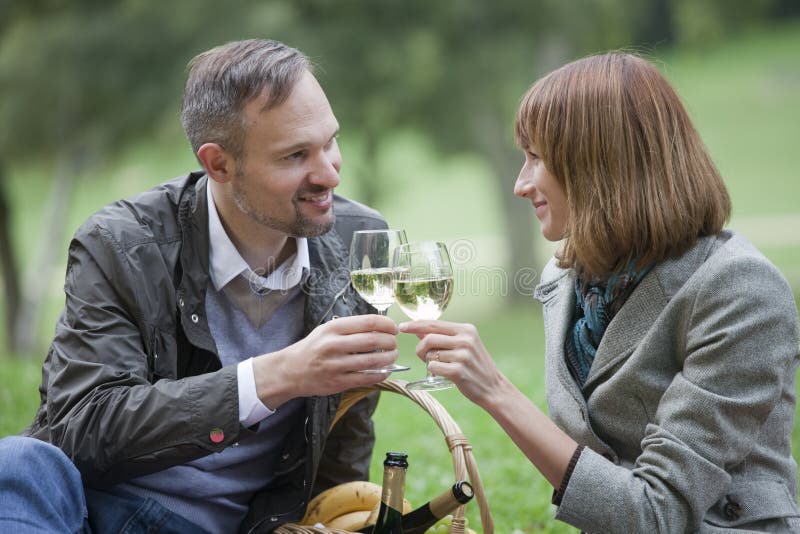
(351, 521)
(339, 500)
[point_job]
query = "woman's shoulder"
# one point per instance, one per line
(732, 254)
(726, 264)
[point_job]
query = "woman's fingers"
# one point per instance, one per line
(422, 328)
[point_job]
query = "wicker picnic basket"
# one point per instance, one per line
(464, 465)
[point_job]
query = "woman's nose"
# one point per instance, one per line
(524, 184)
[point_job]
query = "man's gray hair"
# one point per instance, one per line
(223, 80)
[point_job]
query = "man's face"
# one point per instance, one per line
(291, 163)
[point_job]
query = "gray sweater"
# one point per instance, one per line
(214, 491)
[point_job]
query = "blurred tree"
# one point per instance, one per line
(454, 71)
(79, 81)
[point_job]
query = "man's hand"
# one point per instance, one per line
(327, 360)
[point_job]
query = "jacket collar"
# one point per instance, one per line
(325, 287)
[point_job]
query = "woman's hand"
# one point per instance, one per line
(455, 351)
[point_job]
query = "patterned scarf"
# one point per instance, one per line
(596, 305)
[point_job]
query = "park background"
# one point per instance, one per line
(425, 93)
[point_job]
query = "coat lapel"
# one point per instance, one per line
(558, 301)
(643, 307)
(628, 327)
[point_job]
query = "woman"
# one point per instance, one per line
(671, 344)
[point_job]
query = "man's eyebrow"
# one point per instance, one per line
(290, 149)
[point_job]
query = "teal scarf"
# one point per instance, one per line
(596, 305)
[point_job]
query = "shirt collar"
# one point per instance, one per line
(225, 262)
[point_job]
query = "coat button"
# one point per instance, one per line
(733, 510)
(195, 318)
(216, 435)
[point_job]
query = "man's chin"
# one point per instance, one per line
(314, 228)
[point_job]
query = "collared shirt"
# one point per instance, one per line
(225, 264)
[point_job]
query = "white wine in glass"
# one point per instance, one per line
(371, 273)
(423, 285)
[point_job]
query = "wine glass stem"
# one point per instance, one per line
(428, 374)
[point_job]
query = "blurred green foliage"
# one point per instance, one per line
(82, 80)
(425, 92)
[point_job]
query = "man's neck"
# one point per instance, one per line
(262, 248)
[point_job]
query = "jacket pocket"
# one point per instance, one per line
(760, 505)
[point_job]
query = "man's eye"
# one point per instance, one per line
(296, 155)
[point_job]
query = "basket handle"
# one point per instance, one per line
(463, 460)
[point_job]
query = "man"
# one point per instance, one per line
(195, 368)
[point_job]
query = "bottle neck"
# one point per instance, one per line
(445, 503)
(394, 483)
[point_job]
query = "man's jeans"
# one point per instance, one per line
(41, 492)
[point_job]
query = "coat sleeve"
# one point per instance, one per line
(101, 408)
(740, 347)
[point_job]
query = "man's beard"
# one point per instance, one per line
(301, 226)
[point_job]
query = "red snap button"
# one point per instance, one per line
(217, 435)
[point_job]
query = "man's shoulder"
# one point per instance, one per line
(151, 215)
(345, 207)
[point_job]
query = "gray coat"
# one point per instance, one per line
(132, 383)
(690, 400)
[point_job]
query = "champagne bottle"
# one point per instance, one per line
(421, 519)
(390, 515)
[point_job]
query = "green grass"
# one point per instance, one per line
(519, 496)
(19, 396)
(741, 94)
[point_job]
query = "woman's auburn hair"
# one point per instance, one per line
(639, 181)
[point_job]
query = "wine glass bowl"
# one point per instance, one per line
(371, 272)
(423, 285)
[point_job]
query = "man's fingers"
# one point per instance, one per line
(352, 363)
(362, 323)
(362, 342)
(373, 360)
(422, 328)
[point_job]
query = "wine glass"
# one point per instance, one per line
(371, 273)
(423, 285)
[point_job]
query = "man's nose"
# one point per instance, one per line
(327, 169)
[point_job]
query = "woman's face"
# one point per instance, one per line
(545, 192)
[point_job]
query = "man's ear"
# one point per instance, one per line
(217, 162)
